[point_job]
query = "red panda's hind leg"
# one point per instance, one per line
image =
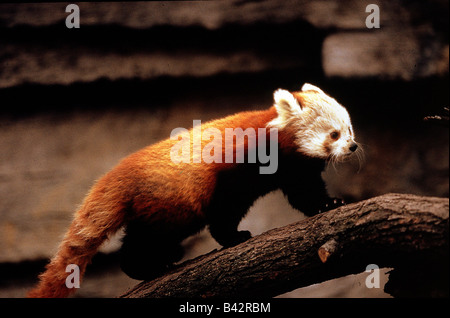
(147, 252)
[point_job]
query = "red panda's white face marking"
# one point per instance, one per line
(320, 125)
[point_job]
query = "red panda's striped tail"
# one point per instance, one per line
(93, 224)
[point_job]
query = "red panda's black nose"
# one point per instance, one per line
(353, 147)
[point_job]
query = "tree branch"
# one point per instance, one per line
(393, 230)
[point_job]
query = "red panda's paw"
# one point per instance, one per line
(237, 238)
(332, 203)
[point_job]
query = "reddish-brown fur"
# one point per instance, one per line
(161, 202)
(145, 185)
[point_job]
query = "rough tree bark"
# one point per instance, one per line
(406, 232)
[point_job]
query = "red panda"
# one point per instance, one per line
(161, 202)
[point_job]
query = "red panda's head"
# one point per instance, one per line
(320, 126)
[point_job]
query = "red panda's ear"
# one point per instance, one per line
(285, 102)
(309, 87)
(287, 106)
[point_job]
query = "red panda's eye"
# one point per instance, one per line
(334, 135)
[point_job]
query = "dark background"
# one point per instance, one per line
(76, 101)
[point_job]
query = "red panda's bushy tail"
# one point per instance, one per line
(92, 225)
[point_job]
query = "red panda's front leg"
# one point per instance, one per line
(228, 237)
(314, 201)
(223, 218)
(332, 203)
(307, 192)
(234, 192)
(224, 229)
